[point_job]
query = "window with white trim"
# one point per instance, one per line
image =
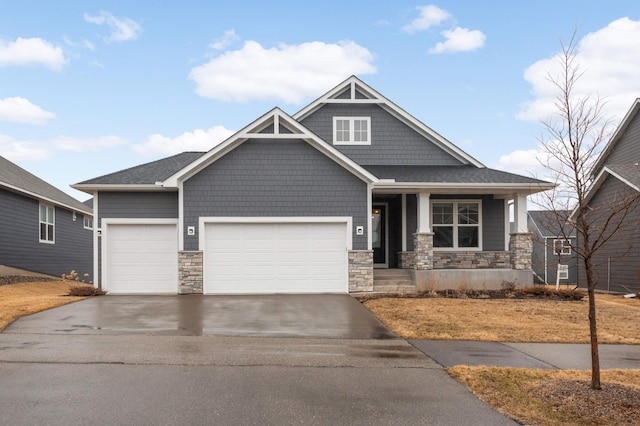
(351, 130)
(456, 224)
(562, 247)
(47, 224)
(88, 222)
(563, 272)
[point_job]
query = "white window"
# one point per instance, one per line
(351, 130)
(88, 222)
(456, 224)
(563, 272)
(47, 224)
(561, 247)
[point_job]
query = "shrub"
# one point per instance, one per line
(85, 290)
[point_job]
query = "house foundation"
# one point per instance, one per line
(190, 272)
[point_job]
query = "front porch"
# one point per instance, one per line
(423, 242)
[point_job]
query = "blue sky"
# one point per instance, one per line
(88, 88)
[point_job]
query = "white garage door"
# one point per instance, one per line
(141, 259)
(275, 258)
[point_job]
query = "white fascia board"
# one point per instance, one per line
(91, 188)
(46, 199)
(597, 183)
(443, 187)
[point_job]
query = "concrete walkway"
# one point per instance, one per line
(528, 355)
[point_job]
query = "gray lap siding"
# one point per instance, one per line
(274, 178)
(20, 244)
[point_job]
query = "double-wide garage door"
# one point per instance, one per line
(275, 258)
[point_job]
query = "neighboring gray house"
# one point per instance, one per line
(617, 175)
(42, 229)
(553, 242)
(313, 203)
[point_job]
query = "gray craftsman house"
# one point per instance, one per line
(350, 194)
(616, 176)
(42, 229)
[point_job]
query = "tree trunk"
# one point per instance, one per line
(595, 357)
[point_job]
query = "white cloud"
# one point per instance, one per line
(430, 16)
(20, 110)
(225, 41)
(96, 143)
(15, 150)
(31, 51)
(122, 29)
(459, 40)
(523, 162)
(198, 140)
(290, 73)
(611, 65)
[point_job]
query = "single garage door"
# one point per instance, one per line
(275, 258)
(141, 258)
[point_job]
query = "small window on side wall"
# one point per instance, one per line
(88, 222)
(351, 130)
(47, 224)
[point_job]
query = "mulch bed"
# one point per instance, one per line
(534, 292)
(12, 279)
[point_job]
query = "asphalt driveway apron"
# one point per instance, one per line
(334, 316)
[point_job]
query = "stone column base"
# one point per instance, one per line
(423, 250)
(360, 271)
(190, 272)
(521, 247)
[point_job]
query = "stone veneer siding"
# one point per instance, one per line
(360, 270)
(423, 250)
(471, 260)
(190, 272)
(406, 260)
(521, 247)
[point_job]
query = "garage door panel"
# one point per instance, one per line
(275, 257)
(141, 258)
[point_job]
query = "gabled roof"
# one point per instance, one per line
(19, 180)
(355, 91)
(552, 224)
(143, 175)
(617, 135)
(276, 124)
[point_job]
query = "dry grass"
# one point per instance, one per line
(20, 299)
(551, 397)
(509, 320)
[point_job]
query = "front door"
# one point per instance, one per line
(379, 235)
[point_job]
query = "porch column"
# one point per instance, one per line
(423, 238)
(520, 243)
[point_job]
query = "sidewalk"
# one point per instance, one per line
(553, 356)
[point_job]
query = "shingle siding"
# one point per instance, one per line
(493, 220)
(274, 178)
(627, 150)
(392, 142)
(617, 263)
(131, 205)
(20, 244)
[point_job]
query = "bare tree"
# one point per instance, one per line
(571, 143)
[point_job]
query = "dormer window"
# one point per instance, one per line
(351, 130)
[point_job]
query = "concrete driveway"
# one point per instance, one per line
(334, 316)
(284, 359)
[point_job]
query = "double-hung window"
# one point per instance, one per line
(88, 222)
(351, 130)
(47, 224)
(456, 224)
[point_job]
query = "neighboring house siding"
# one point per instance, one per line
(155, 205)
(627, 150)
(275, 178)
(19, 239)
(617, 263)
(392, 142)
